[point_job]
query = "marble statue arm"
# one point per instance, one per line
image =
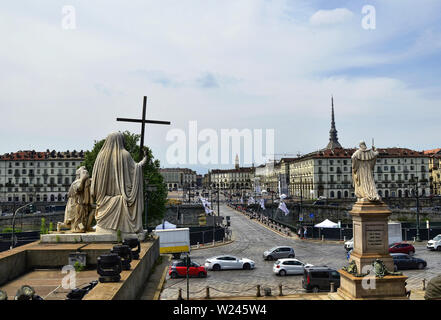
(144, 160)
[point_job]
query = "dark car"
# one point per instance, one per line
(179, 269)
(318, 279)
(402, 247)
(404, 261)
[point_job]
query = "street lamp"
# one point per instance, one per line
(13, 240)
(415, 190)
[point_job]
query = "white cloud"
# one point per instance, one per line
(328, 17)
(255, 68)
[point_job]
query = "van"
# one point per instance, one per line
(316, 279)
(279, 253)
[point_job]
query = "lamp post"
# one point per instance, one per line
(13, 224)
(415, 190)
(218, 206)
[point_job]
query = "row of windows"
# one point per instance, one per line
(38, 171)
(385, 161)
(43, 164)
(38, 197)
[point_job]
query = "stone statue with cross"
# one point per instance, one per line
(118, 183)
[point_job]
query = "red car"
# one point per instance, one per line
(402, 247)
(179, 269)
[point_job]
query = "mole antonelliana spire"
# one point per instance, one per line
(333, 139)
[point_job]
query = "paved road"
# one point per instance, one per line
(251, 239)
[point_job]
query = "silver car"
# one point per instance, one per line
(279, 253)
(225, 262)
(283, 267)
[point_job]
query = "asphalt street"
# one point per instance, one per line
(251, 240)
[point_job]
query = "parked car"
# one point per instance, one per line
(279, 253)
(179, 269)
(318, 279)
(435, 243)
(402, 247)
(225, 262)
(404, 261)
(282, 267)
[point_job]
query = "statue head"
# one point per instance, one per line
(363, 145)
(81, 172)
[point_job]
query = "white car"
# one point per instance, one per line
(226, 262)
(349, 245)
(435, 243)
(282, 267)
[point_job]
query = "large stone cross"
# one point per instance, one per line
(143, 121)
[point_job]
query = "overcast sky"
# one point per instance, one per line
(227, 64)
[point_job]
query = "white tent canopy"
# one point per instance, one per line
(165, 225)
(326, 224)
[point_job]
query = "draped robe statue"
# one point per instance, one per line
(117, 186)
(363, 164)
(78, 215)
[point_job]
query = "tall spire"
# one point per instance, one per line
(333, 140)
(236, 164)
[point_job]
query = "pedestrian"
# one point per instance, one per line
(304, 233)
(300, 233)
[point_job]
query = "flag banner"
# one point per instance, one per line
(262, 203)
(282, 206)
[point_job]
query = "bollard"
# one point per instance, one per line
(197, 246)
(323, 238)
(180, 294)
(213, 243)
(258, 291)
(267, 291)
(332, 286)
(280, 290)
(207, 295)
(424, 284)
(344, 238)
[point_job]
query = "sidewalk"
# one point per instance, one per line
(155, 281)
(295, 236)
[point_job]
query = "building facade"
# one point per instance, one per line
(179, 178)
(30, 176)
(328, 173)
(434, 170)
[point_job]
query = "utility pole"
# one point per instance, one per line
(416, 192)
(218, 207)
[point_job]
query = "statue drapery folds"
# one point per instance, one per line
(363, 164)
(117, 186)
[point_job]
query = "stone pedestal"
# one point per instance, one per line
(370, 230)
(99, 236)
(371, 242)
(388, 287)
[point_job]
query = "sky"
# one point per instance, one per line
(68, 70)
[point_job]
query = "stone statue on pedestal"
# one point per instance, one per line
(117, 186)
(79, 214)
(363, 164)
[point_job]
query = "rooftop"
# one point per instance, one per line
(42, 155)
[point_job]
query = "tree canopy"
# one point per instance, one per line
(156, 200)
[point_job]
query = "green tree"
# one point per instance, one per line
(156, 200)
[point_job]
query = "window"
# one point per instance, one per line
(320, 274)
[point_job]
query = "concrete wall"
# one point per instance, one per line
(336, 213)
(132, 281)
(13, 263)
(29, 220)
(133, 287)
